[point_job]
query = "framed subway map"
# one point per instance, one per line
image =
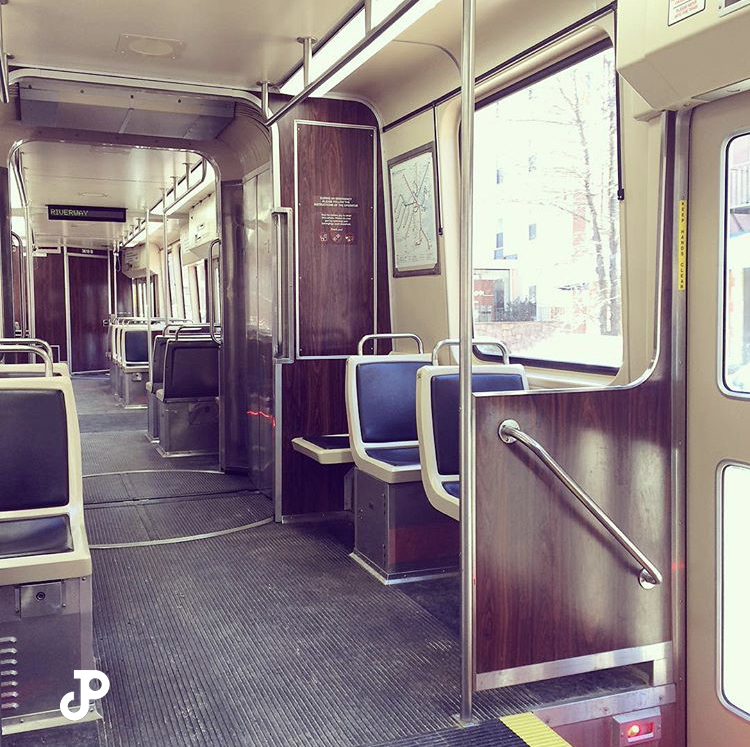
(414, 219)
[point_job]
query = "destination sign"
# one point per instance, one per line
(83, 212)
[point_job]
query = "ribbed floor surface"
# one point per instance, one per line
(487, 734)
(129, 450)
(159, 484)
(178, 517)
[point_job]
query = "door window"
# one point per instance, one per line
(735, 601)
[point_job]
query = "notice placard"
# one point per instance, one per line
(679, 10)
(337, 219)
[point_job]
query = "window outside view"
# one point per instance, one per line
(736, 607)
(737, 278)
(546, 233)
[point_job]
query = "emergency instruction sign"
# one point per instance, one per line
(679, 10)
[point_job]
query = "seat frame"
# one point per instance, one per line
(432, 479)
(382, 470)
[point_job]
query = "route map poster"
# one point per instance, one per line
(414, 212)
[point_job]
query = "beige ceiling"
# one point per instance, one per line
(101, 176)
(228, 42)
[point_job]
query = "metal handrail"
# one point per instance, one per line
(210, 291)
(510, 432)
(24, 347)
(390, 336)
(193, 330)
(31, 341)
(504, 350)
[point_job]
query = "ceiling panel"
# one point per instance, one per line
(230, 43)
(71, 174)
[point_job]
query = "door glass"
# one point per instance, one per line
(737, 267)
(735, 602)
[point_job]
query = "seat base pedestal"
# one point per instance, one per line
(398, 535)
(188, 428)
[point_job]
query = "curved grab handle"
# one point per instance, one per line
(31, 341)
(20, 346)
(390, 336)
(191, 329)
(510, 432)
(210, 291)
(504, 350)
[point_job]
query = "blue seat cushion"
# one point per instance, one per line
(136, 346)
(387, 395)
(453, 487)
(400, 456)
(445, 401)
(329, 442)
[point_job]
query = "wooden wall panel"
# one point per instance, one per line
(89, 306)
(313, 391)
(49, 298)
(550, 582)
(335, 237)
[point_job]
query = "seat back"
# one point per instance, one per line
(33, 449)
(160, 352)
(135, 346)
(438, 403)
(381, 398)
(191, 369)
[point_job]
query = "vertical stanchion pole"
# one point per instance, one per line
(466, 331)
(166, 292)
(149, 297)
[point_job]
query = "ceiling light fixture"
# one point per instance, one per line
(149, 46)
(93, 194)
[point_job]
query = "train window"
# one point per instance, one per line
(187, 294)
(551, 289)
(200, 274)
(737, 267)
(173, 261)
(735, 606)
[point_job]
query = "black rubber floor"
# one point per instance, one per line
(159, 484)
(129, 450)
(487, 734)
(183, 516)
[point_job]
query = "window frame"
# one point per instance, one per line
(721, 470)
(721, 369)
(525, 83)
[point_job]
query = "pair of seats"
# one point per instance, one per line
(129, 367)
(404, 430)
(183, 393)
(45, 562)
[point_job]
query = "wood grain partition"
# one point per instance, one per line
(313, 389)
(49, 295)
(551, 583)
(89, 307)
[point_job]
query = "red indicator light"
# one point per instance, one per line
(633, 731)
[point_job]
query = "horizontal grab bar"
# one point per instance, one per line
(390, 336)
(21, 346)
(504, 351)
(510, 432)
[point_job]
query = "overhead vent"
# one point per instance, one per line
(48, 103)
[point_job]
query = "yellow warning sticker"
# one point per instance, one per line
(682, 228)
(533, 731)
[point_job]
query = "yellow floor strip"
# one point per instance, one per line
(533, 731)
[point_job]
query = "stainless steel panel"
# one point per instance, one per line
(189, 427)
(236, 315)
(265, 350)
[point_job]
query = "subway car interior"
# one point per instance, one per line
(375, 372)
